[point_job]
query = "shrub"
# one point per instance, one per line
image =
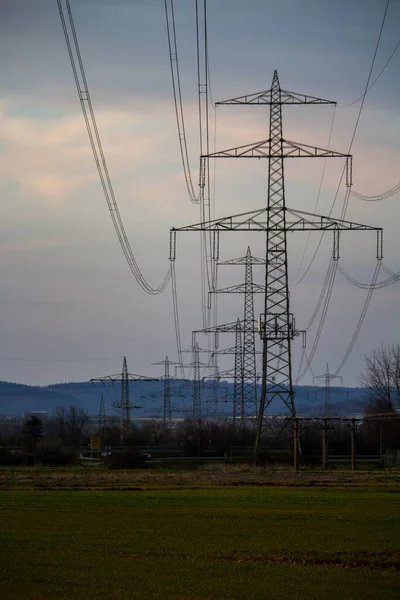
(52, 453)
(130, 458)
(10, 457)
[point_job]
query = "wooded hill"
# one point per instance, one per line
(17, 399)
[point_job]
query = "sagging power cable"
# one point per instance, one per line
(347, 195)
(360, 320)
(331, 276)
(176, 319)
(387, 194)
(97, 149)
(177, 93)
(393, 278)
(374, 81)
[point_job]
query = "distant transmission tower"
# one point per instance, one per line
(197, 382)
(102, 417)
(167, 392)
(327, 378)
(238, 398)
(249, 407)
(277, 325)
(124, 404)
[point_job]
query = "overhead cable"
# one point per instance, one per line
(387, 194)
(347, 195)
(331, 278)
(97, 149)
(360, 321)
(393, 278)
(176, 319)
(374, 81)
(316, 203)
(321, 296)
(177, 92)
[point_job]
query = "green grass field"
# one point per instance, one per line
(251, 534)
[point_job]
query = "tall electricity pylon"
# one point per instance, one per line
(124, 405)
(327, 378)
(277, 326)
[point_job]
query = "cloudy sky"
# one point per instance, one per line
(69, 306)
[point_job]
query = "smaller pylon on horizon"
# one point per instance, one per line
(238, 406)
(327, 378)
(248, 374)
(102, 422)
(124, 405)
(167, 392)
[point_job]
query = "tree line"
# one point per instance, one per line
(60, 437)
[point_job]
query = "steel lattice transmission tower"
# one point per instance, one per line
(249, 406)
(327, 378)
(167, 392)
(196, 384)
(277, 327)
(238, 404)
(102, 416)
(249, 381)
(124, 405)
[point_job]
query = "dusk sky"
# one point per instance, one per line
(70, 308)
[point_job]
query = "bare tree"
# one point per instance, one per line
(9, 431)
(381, 378)
(71, 423)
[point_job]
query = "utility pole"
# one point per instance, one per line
(124, 405)
(327, 378)
(277, 324)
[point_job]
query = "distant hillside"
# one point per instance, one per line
(17, 399)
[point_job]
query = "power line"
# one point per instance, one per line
(347, 195)
(316, 203)
(393, 278)
(387, 194)
(375, 80)
(331, 277)
(177, 92)
(97, 149)
(54, 360)
(176, 318)
(360, 321)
